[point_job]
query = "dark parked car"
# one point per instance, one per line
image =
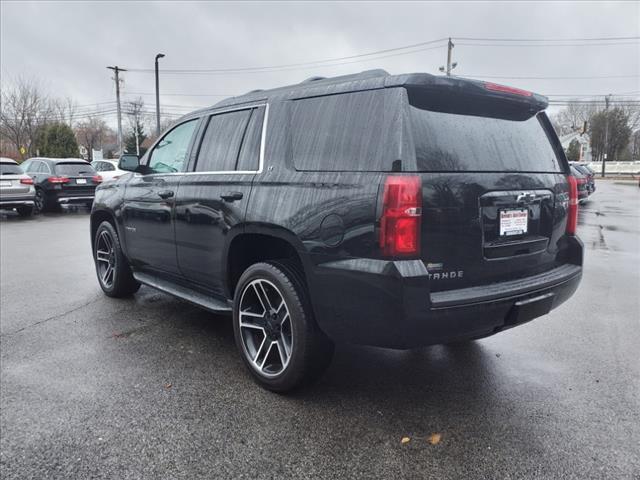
(62, 181)
(16, 188)
(582, 183)
(589, 175)
(396, 211)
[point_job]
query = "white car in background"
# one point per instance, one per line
(107, 169)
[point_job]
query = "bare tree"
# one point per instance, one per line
(65, 109)
(91, 134)
(24, 109)
(572, 118)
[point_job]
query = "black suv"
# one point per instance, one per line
(61, 181)
(397, 211)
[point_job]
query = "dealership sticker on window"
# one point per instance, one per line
(513, 222)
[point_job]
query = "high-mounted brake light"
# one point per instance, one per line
(401, 216)
(26, 181)
(58, 179)
(572, 214)
(97, 179)
(495, 87)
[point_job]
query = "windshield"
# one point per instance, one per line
(456, 142)
(75, 169)
(10, 169)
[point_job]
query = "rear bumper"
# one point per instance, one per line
(74, 200)
(388, 304)
(16, 201)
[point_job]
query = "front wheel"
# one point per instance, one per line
(274, 328)
(114, 274)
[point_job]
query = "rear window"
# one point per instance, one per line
(75, 169)
(10, 169)
(345, 132)
(455, 142)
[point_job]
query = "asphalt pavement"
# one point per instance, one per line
(152, 387)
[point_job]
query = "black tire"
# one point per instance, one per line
(120, 282)
(311, 350)
(40, 201)
(25, 211)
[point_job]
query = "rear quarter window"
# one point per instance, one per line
(345, 132)
(456, 142)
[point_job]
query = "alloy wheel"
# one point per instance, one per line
(265, 328)
(106, 259)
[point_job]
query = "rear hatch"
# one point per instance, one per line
(82, 179)
(494, 190)
(10, 180)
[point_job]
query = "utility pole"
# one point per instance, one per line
(117, 71)
(449, 49)
(450, 65)
(158, 56)
(606, 131)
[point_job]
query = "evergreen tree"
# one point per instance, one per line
(573, 151)
(56, 140)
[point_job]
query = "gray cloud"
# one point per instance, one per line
(68, 44)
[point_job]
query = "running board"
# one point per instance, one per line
(184, 293)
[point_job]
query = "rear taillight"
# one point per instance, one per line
(494, 87)
(58, 179)
(572, 214)
(401, 216)
(26, 181)
(97, 179)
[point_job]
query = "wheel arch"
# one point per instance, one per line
(256, 243)
(99, 216)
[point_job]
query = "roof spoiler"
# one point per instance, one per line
(472, 97)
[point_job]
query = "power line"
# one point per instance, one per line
(302, 64)
(548, 78)
(584, 39)
(402, 50)
(527, 45)
(247, 71)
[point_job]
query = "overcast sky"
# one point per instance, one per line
(67, 45)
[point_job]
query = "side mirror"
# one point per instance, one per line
(130, 163)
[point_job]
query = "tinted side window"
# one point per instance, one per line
(249, 159)
(170, 153)
(346, 132)
(97, 166)
(221, 141)
(107, 167)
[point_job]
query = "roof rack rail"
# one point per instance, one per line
(255, 91)
(313, 79)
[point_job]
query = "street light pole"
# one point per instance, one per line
(158, 56)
